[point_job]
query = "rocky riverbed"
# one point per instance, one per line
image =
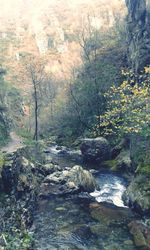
(49, 201)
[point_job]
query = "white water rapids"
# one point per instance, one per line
(112, 188)
(111, 185)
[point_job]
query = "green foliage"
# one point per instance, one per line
(127, 108)
(2, 160)
(10, 108)
(26, 136)
(3, 133)
(3, 120)
(19, 240)
(140, 147)
(111, 164)
(144, 167)
(86, 94)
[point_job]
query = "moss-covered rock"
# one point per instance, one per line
(68, 181)
(137, 194)
(95, 149)
(141, 234)
(122, 163)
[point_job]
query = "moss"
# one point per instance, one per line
(18, 239)
(111, 164)
(144, 168)
(2, 161)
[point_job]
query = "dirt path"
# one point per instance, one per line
(14, 144)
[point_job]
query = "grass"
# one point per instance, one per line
(26, 136)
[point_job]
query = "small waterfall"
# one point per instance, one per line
(112, 188)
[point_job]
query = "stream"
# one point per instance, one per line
(76, 223)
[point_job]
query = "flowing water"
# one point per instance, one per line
(76, 223)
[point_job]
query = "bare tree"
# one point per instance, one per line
(49, 92)
(36, 73)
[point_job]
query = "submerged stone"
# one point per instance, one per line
(141, 234)
(109, 214)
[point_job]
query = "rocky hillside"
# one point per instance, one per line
(51, 28)
(138, 33)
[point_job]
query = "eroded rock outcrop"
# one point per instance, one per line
(138, 34)
(18, 174)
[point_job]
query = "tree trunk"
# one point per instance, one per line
(36, 113)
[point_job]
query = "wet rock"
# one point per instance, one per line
(137, 195)
(83, 233)
(128, 242)
(68, 182)
(109, 214)
(141, 234)
(49, 168)
(95, 150)
(113, 247)
(63, 151)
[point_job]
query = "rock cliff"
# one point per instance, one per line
(138, 33)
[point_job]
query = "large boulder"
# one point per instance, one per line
(137, 194)
(95, 150)
(68, 181)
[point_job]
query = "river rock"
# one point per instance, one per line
(68, 181)
(141, 234)
(83, 233)
(109, 214)
(49, 168)
(137, 194)
(95, 150)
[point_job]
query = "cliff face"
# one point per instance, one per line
(138, 33)
(51, 29)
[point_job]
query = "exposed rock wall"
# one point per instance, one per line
(138, 33)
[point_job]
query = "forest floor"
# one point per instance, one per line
(15, 143)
